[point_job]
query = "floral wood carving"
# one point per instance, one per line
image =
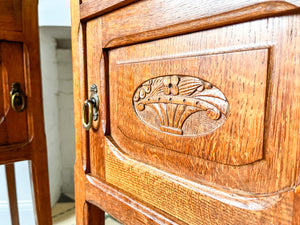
(166, 103)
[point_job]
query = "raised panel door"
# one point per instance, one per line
(13, 124)
(202, 107)
(197, 111)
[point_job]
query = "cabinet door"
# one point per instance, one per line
(198, 124)
(13, 124)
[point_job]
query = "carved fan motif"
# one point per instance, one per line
(175, 98)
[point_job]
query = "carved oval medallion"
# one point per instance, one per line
(180, 105)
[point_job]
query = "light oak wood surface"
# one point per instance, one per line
(199, 103)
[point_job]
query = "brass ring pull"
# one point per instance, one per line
(15, 102)
(88, 104)
(93, 105)
(17, 97)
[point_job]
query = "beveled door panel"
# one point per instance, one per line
(13, 125)
(203, 113)
(241, 72)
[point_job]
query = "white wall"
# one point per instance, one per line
(66, 118)
(51, 114)
(56, 64)
(54, 13)
(55, 22)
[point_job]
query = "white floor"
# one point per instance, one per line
(64, 214)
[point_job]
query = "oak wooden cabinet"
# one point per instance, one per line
(22, 134)
(197, 116)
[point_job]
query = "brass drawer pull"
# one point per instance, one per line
(92, 104)
(17, 97)
(88, 104)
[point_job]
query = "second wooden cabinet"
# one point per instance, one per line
(196, 119)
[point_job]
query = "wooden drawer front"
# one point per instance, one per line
(13, 125)
(11, 15)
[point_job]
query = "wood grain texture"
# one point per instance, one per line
(93, 8)
(11, 15)
(12, 147)
(249, 51)
(260, 34)
(38, 162)
(11, 36)
(124, 26)
(81, 137)
(245, 111)
(122, 206)
(191, 204)
(93, 215)
(14, 154)
(24, 131)
(10, 121)
(175, 99)
(78, 169)
(98, 74)
(296, 217)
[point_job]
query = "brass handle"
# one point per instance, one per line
(88, 103)
(93, 105)
(17, 97)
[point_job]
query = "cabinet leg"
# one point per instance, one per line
(86, 213)
(40, 189)
(93, 215)
(12, 194)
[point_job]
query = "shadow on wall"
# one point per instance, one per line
(56, 64)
